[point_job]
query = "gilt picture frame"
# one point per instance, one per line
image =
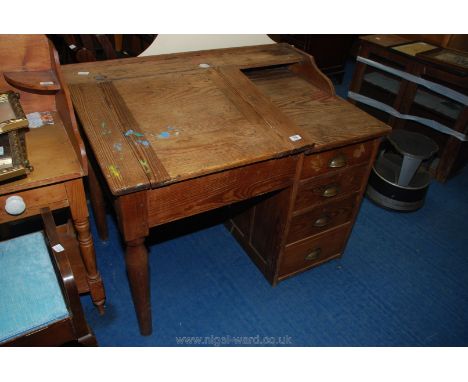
(13, 126)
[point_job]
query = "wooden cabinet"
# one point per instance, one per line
(287, 233)
(300, 227)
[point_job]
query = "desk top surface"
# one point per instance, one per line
(52, 156)
(157, 120)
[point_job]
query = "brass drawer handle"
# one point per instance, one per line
(314, 254)
(330, 191)
(322, 221)
(337, 162)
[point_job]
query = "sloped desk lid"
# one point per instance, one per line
(160, 126)
(157, 120)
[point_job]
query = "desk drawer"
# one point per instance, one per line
(329, 187)
(322, 218)
(211, 191)
(316, 164)
(54, 197)
(313, 251)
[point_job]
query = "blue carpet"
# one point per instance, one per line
(401, 282)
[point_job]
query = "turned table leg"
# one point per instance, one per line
(132, 214)
(97, 202)
(79, 212)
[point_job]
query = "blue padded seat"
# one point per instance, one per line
(30, 295)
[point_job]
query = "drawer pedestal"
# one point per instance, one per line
(298, 228)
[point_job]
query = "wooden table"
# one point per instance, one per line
(176, 135)
(55, 151)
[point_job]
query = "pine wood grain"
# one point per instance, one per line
(80, 216)
(127, 122)
(326, 246)
(221, 133)
(21, 53)
(193, 196)
(339, 183)
(64, 108)
(110, 146)
(53, 196)
(280, 123)
(258, 225)
(329, 214)
(40, 80)
(189, 124)
(245, 57)
(132, 214)
(329, 120)
(67, 238)
(97, 200)
(195, 127)
(320, 163)
(52, 156)
(309, 70)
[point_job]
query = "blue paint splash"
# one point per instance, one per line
(143, 142)
(131, 132)
(164, 135)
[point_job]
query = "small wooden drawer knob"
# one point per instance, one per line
(322, 221)
(330, 191)
(15, 205)
(313, 255)
(338, 161)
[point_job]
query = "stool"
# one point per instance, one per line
(398, 180)
(39, 301)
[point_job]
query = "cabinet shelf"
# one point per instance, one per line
(429, 100)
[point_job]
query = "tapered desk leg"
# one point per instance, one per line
(132, 214)
(136, 259)
(79, 212)
(97, 202)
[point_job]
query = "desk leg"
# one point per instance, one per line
(136, 260)
(97, 202)
(79, 212)
(132, 214)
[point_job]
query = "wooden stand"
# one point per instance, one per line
(31, 68)
(409, 98)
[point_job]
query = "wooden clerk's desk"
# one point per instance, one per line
(176, 135)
